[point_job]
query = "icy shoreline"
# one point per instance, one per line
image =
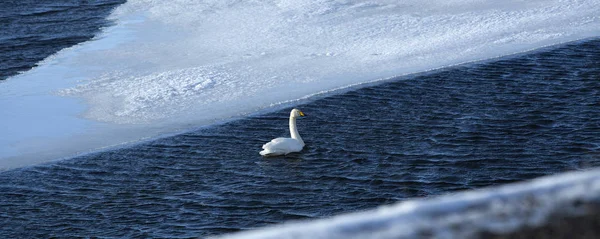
(560, 206)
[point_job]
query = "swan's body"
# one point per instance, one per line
(282, 146)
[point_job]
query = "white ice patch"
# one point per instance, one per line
(136, 99)
(274, 47)
(171, 65)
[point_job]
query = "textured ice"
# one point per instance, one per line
(497, 210)
(135, 99)
(167, 66)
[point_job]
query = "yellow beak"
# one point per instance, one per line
(301, 114)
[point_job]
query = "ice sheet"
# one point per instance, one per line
(168, 66)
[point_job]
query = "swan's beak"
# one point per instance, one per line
(301, 114)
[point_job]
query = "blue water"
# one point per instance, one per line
(31, 30)
(457, 128)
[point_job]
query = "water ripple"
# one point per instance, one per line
(34, 29)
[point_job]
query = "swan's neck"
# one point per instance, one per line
(294, 130)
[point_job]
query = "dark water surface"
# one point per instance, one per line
(454, 129)
(31, 30)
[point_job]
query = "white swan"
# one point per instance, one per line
(281, 146)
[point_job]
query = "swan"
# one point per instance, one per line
(282, 146)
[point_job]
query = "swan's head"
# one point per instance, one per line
(296, 113)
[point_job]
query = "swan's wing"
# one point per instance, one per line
(275, 142)
(282, 146)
